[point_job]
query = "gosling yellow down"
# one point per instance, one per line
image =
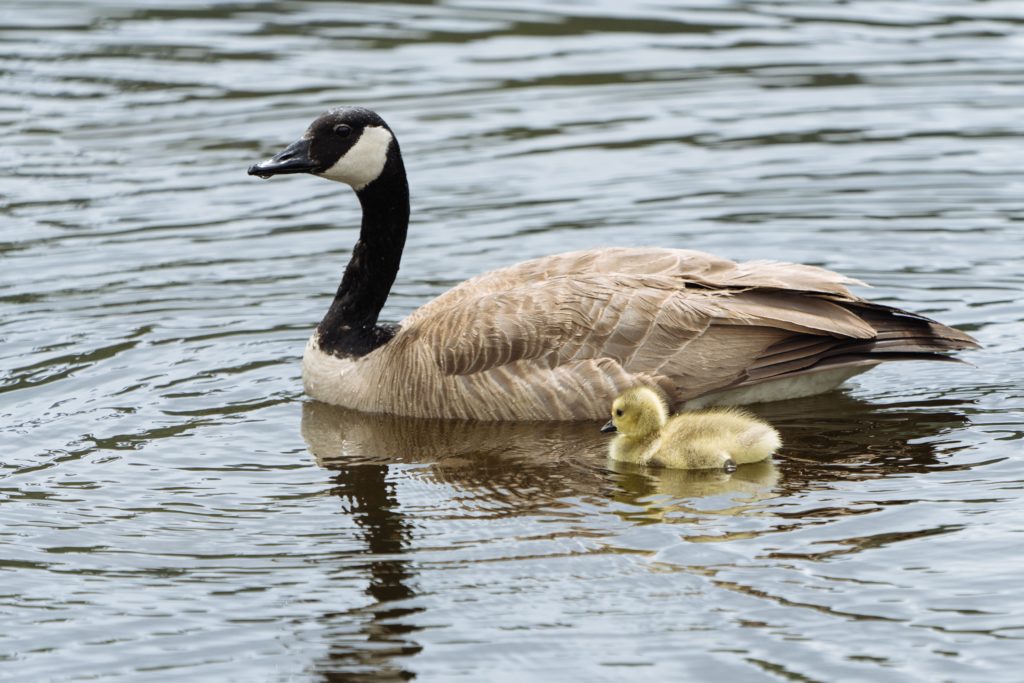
(718, 438)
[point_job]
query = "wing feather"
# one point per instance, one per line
(689, 322)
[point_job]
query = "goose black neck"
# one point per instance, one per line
(350, 327)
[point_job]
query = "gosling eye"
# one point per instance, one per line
(342, 130)
(618, 412)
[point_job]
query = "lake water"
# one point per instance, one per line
(173, 508)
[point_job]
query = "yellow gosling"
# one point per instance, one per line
(716, 438)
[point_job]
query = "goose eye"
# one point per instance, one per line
(618, 412)
(342, 130)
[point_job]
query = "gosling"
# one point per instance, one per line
(718, 438)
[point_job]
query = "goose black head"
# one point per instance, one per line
(351, 145)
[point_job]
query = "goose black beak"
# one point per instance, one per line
(608, 428)
(294, 159)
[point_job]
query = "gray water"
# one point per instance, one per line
(173, 508)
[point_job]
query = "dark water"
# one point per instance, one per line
(173, 508)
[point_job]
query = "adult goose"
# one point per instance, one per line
(558, 337)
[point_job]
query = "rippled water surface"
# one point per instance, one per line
(173, 508)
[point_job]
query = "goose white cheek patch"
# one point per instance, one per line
(364, 161)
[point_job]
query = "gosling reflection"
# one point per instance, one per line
(659, 494)
(751, 482)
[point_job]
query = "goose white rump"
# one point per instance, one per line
(557, 338)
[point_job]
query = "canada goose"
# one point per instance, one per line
(555, 338)
(716, 438)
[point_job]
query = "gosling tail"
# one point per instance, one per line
(758, 443)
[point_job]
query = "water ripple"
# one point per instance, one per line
(172, 507)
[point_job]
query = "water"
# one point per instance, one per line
(173, 508)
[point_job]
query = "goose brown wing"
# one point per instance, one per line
(683, 267)
(645, 324)
(695, 325)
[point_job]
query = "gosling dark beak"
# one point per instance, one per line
(294, 159)
(608, 428)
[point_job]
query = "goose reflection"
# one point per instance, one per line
(513, 469)
(506, 458)
(373, 637)
(842, 438)
(828, 438)
(519, 467)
